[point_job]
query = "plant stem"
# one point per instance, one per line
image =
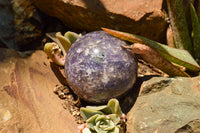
(179, 25)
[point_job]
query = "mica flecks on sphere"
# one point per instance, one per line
(97, 67)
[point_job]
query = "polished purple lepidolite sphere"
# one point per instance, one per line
(97, 67)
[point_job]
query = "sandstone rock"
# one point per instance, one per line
(165, 105)
(141, 17)
(27, 101)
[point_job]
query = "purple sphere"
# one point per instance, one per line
(97, 67)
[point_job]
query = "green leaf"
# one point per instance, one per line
(153, 57)
(71, 36)
(115, 118)
(53, 37)
(179, 24)
(114, 106)
(87, 113)
(92, 119)
(66, 44)
(97, 107)
(104, 109)
(99, 122)
(195, 32)
(178, 56)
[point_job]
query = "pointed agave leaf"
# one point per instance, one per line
(178, 56)
(179, 24)
(115, 107)
(196, 32)
(87, 113)
(154, 58)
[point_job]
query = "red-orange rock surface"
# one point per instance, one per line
(143, 17)
(27, 101)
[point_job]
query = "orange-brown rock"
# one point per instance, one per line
(143, 17)
(27, 101)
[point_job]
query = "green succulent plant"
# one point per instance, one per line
(58, 49)
(105, 118)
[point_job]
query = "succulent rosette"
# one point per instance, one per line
(104, 123)
(103, 119)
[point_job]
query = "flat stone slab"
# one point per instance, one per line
(165, 105)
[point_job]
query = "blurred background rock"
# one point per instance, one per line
(23, 26)
(24, 22)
